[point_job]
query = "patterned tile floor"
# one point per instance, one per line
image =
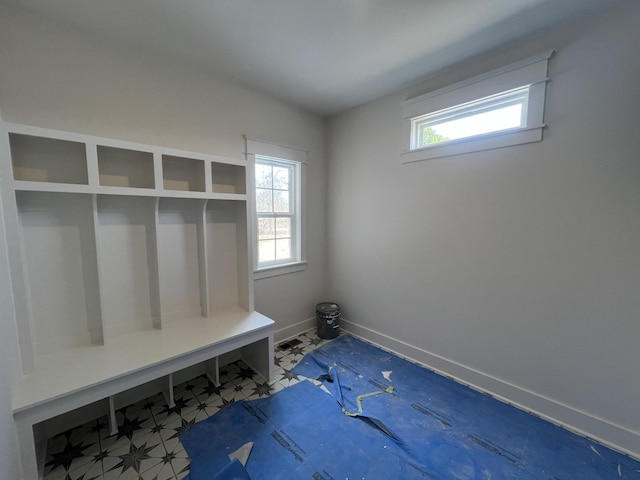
(146, 445)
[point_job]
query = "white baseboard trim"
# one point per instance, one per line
(294, 330)
(614, 436)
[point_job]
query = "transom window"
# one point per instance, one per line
(500, 108)
(277, 210)
(496, 113)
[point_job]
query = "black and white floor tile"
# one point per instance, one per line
(146, 446)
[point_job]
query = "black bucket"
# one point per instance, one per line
(328, 316)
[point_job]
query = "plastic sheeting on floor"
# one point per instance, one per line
(427, 426)
(298, 433)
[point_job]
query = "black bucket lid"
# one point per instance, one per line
(327, 307)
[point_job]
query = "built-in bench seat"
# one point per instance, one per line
(76, 377)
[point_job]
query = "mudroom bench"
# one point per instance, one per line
(85, 375)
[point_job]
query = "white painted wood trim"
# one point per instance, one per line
(168, 391)
(478, 143)
(479, 78)
(93, 174)
(202, 260)
(100, 336)
(113, 421)
(277, 270)
(255, 146)
(17, 262)
(212, 369)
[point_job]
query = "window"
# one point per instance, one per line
(496, 113)
(277, 207)
(277, 210)
(498, 109)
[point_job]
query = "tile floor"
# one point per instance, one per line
(146, 445)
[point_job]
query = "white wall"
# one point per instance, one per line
(517, 269)
(56, 76)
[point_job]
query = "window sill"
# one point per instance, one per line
(277, 270)
(475, 144)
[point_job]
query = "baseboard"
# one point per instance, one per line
(599, 430)
(294, 330)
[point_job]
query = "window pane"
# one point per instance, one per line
(266, 228)
(283, 227)
(283, 249)
(477, 124)
(496, 113)
(264, 200)
(263, 176)
(281, 201)
(266, 251)
(281, 178)
(277, 222)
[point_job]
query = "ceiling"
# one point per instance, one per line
(322, 55)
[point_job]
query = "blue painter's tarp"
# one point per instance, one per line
(427, 427)
(298, 433)
(233, 471)
(457, 432)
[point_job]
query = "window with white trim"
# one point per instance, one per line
(277, 208)
(500, 108)
(497, 113)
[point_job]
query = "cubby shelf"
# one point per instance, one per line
(48, 160)
(128, 262)
(120, 167)
(109, 251)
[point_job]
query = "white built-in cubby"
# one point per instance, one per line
(129, 262)
(121, 167)
(60, 251)
(48, 160)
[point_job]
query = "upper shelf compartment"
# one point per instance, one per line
(64, 162)
(120, 167)
(228, 178)
(41, 159)
(183, 174)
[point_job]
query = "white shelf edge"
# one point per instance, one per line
(30, 186)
